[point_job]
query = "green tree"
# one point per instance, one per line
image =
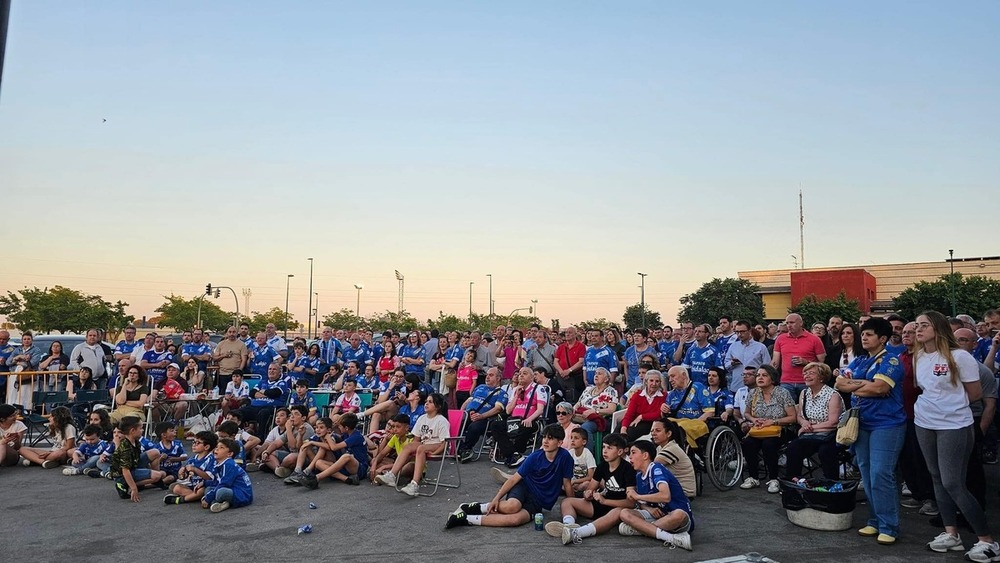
(345, 319)
(599, 322)
(62, 309)
(974, 295)
(402, 322)
(259, 321)
(814, 310)
(734, 297)
(182, 314)
(633, 317)
(447, 323)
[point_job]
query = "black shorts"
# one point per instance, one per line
(600, 509)
(522, 494)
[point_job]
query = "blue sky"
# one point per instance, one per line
(562, 147)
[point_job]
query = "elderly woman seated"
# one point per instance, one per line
(818, 409)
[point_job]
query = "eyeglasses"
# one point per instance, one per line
(562, 413)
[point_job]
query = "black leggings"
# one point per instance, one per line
(752, 449)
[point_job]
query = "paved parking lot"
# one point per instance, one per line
(51, 517)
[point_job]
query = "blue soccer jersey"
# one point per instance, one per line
(190, 350)
(648, 483)
(266, 385)
(205, 463)
(360, 355)
(666, 351)
(696, 402)
(599, 357)
(456, 353)
(414, 352)
(173, 449)
(260, 359)
(698, 359)
(544, 478)
(308, 401)
(88, 450)
(153, 357)
(125, 348)
(414, 414)
(632, 358)
(231, 476)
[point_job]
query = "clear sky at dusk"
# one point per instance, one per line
(560, 146)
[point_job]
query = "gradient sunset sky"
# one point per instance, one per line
(560, 146)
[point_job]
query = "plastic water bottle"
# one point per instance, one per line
(306, 529)
(539, 520)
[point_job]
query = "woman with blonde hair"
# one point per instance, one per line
(949, 378)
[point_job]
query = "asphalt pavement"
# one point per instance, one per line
(54, 517)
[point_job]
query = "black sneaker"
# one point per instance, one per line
(465, 456)
(162, 484)
(353, 480)
(309, 482)
(470, 508)
(93, 473)
(455, 519)
(515, 460)
(173, 499)
(123, 492)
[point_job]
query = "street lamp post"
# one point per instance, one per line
(470, 300)
(642, 297)
(951, 282)
(534, 309)
(309, 320)
(357, 309)
(399, 277)
(316, 312)
(288, 283)
(491, 298)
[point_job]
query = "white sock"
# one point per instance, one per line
(475, 520)
(484, 507)
(663, 535)
(586, 531)
(569, 520)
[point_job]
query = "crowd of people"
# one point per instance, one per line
(540, 402)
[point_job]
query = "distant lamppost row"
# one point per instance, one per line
(288, 284)
(642, 297)
(491, 298)
(309, 322)
(357, 309)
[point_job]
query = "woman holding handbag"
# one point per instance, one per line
(874, 381)
(768, 413)
(949, 378)
(818, 411)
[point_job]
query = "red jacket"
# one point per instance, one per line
(641, 407)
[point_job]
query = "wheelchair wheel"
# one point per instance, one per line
(724, 458)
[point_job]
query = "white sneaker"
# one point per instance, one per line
(946, 542)
(219, 506)
(681, 540)
(773, 486)
(626, 530)
(387, 479)
(905, 491)
(71, 471)
(570, 536)
(411, 488)
(25, 462)
(983, 551)
(500, 476)
(749, 483)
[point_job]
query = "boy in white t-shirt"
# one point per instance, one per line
(429, 438)
(584, 463)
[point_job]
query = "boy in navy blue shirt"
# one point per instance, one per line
(196, 472)
(351, 456)
(663, 512)
(172, 454)
(230, 486)
(229, 430)
(535, 487)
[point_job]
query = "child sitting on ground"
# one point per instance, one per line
(603, 499)
(196, 472)
(230, 486)
(280, 418)
(584, 463)
(317, 445)
(397, 437)
(248, 440)
(535, 487)
(351, 456)
(62, 435)
(87, 453)
(129, 477)
(172, 454)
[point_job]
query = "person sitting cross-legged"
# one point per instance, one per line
(535, 487)
(663, 512)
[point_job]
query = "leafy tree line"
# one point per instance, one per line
(67, 310)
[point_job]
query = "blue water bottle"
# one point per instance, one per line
(539, 520)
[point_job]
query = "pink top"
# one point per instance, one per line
(807, 346)
(466, 378)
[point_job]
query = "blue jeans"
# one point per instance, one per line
(876, 453)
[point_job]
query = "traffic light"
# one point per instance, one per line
(208, 289)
